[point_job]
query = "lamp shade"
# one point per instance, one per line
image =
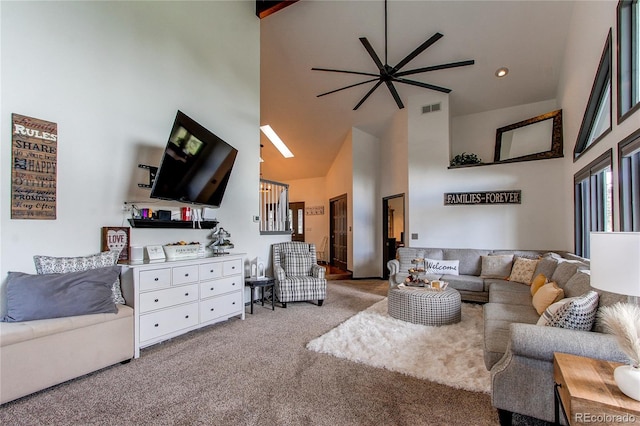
(615, 262)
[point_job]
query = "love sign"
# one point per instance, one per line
(116, 239)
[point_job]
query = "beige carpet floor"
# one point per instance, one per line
(255, 372)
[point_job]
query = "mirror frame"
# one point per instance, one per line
(556, 150)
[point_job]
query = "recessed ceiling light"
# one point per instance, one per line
(501, 72)
(276, 141)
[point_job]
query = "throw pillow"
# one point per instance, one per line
(548, 294)
(579, 314)
(496, 266)
(34, 297)
(58, 265)
(298, 264)
(523, 269)
(443, 267)
(548, 313)
(538, 282)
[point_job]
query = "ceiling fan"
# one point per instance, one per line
(388, 74)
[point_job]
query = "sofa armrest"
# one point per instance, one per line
(279, 272)
(394, 266)
(318, 271)
(538, 342)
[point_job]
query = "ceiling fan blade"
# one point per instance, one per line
(346, 71)
(372, 53)
(419, 50)
(421, 84)
(436, 67)
(347, 87)
(367, 95)
(395, 95)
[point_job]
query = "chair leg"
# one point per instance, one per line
(505, 417)
(320, 302)
(284, 305)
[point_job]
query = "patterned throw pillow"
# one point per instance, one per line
(523, 269)
(579, 314)
(443, 267)
(548, 313)
(297, 264)
(496, 266)
(59, 265)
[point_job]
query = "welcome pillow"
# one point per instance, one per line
(442, 267)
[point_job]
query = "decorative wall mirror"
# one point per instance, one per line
(537, 138)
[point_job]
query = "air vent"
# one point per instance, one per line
(430, 108)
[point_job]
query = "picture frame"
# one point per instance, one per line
(117, 238)
(155, 253)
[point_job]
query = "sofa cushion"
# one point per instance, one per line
(34, 297)
(445, 267)
(547, 266)
(464, 282)
(496, 266)
(529, 254)
(59, 265)
(510, 297)
(537, 283)
(510, 313)
(578, 314)
(470, 259)
(578, 284)
(504, 285)
(548, 294)
(564, 271)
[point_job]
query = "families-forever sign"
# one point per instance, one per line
(34, 160)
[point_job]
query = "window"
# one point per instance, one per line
(593, 201)
(597, 118)
(629, 157)
(628, 58)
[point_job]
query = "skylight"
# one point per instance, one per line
(276, 141)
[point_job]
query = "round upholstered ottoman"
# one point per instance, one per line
(424, 306)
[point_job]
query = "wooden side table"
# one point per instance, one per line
(263, 283)
(587, 394)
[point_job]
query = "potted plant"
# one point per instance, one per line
(464, 158)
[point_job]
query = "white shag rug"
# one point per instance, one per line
(451, 355)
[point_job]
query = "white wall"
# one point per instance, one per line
(367, 206)
(112, 75)
(534, 224)
(476, 133)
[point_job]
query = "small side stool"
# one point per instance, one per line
(263, 283)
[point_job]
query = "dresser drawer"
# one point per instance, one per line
(220, 306)
(159, 323)
(221, 286)
(232, 267)
(184, 274)
(159, 299)
(210, 271)
(155, 279)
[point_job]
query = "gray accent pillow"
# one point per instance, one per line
(496, 266)
(59, 265)
(34, 297)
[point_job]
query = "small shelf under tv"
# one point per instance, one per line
(184, 224)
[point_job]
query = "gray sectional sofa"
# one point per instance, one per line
(518, 352)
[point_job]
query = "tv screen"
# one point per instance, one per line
(196, 165)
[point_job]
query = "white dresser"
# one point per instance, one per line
(175, 296)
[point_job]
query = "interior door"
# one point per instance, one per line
(392, 229)
(296, 216)
(338, 232)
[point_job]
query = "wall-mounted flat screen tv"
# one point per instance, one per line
(196, 165)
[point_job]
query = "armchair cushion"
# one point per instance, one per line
(298, 264)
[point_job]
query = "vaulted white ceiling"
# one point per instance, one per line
(528, 37)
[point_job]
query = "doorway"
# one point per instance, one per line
(338, 232)
(296, 216)
(393, 234)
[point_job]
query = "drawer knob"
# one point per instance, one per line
(156, 279)
(186, 294)
(233, 283)
(186, 316)
(186, 275)
(211, 289)
(233, 303)
(211, 309)
(233, 267)
(155, 325)
(156, 300)
(211, 271)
